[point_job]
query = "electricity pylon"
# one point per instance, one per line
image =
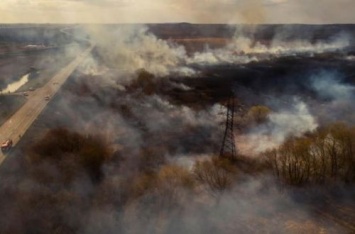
(228, 148)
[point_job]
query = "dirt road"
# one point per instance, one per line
(17, 125)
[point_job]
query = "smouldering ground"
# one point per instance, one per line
(153, 109)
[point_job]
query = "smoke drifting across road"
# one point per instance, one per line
(138, 93)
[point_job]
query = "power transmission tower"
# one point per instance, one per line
(228, 148)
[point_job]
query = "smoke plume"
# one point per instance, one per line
(130, 48)
(294, 120)
(336, 94)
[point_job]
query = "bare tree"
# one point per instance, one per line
(216, 173)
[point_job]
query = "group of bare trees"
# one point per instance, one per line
(68, 154)
(216, 175)
(324, 156)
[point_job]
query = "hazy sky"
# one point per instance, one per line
(194, 11)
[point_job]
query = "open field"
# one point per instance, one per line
(131, 142)
(40, 68)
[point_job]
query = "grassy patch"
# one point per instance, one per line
(9, 105)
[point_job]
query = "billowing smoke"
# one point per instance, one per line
(329, 85)
(333, 102)
(337, 95)
(159, 130)
(221, 56)
(294, 120)
(130, 48)
(251, 206)
(243, 50)
(168, 114)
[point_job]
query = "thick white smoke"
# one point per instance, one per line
(330, 85)
(130, 48)
(243, 50)
(292, 121)
(338, 96)
(227, 55)
(160, 115)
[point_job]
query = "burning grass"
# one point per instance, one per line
(134, 151)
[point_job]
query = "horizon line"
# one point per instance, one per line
(247, 24)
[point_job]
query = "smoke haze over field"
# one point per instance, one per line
(129, 48)
(338, 96)
(208, 11)
(131, 143)
(295, 120)
(153, 109)
(244, 50)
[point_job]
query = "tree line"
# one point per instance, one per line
(323, 156)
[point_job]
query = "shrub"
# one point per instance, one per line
(323, 156)
(69, 153)
(216, 173)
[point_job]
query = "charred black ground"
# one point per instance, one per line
(138, 153)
